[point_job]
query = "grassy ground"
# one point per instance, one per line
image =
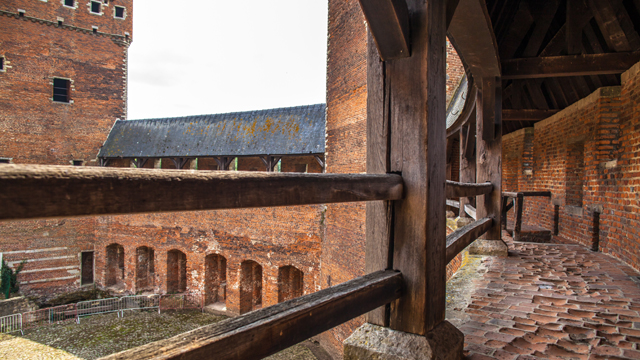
(101, 335)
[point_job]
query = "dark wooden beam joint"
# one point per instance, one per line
(570, 65)
(389, 24)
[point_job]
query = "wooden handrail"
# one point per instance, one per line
(514, 194)
(37, 191)
(461, 238)
(457, 189)
(470, 210)
(266, 331)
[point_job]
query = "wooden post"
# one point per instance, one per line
(503, 213)
(517, 227)
(467, 162)
(489, 152)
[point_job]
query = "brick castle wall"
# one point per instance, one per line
(586, 155)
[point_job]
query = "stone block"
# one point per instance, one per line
(489, 247)
(376, 342)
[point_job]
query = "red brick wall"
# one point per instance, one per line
(586, 156)
(35, 130)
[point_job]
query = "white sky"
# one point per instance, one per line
(212, 56)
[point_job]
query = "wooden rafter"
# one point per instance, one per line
(570, 65)
(526, 114)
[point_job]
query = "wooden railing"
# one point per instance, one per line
(518, 197)
(266, 331)
(463, 237)
(37, 191)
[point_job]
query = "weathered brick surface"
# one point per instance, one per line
(586, 155)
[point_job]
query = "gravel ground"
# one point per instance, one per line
(101, 335)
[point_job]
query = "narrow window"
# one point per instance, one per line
(96, 7)
(61, 89)
(5, 160)
(2, 63)
(119, 12)
(70, 3)
(77, 162)
(86, 262)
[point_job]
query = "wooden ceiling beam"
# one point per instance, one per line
(546, 11)
(521, 23)
(578, 15)
(472, 35)
(606, 15)
(389, 24)
(571, 65)
(526, 114)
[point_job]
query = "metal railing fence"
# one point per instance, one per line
(11, 323)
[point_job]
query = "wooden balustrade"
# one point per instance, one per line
(518, 203)
(37, 191)
(458, 190)
(266, 331)
(464, 236)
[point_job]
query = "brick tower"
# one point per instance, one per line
(63, 77)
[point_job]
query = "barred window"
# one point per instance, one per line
(61, 90)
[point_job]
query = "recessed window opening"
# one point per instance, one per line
(119, 12)
(95, 29)
(21, 12)
(61, 90)
(77, 162)
(59, 22)
(5, 160)
(1, 63)
(86, 262)
(69, 3)
(96, 7)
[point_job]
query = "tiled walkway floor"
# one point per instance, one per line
(553, 301)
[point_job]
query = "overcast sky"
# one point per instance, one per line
(211, 56)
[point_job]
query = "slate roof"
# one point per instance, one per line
(283, 131)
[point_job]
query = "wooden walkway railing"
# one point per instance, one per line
(463, 237)
(519, 206)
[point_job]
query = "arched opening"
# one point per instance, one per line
(176, 271)
(290, 281)
(215, 288)
(145, 272)
(115, 266)
(250, 286)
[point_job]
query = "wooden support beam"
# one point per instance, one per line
(458, 189)
(472, 34)
(576, 10)
(453, 203)
(38, 191)
(471, 211)
(514, 194)
(266, 331)
(489, 153)
(517, 228)
(319, 160)
(570, 65)
(527, 114)
(615, 25)
(415, 94)
(464, 236)
(544, 13)
(467, 161)
(388, 22)
(104, 162)
(179, 162)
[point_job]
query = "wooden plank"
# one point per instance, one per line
(527, 114)
(609, 24)
(452, 5)
(471, 211)
(510, 194)
(489, 155)
(417, 111)
(464, 236)
(574, 25)
(388, 22)
(266, 331)
(40, 191)
(458, 189)
(453, 203)
(570, 65)
(467, 161)
(379, 214)
(518, 225)
(535, 193)
(545, 12)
